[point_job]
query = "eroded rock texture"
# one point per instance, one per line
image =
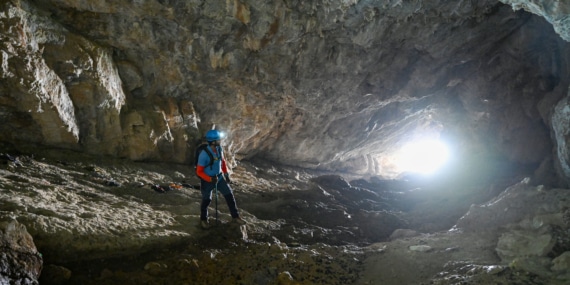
(554, 11)
(302, 228)
(335, 85)
(20, 262)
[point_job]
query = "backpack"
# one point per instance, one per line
(204, 147)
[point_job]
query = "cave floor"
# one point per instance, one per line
(98, 221)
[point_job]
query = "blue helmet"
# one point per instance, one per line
(213, 135)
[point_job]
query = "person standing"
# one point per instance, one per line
(212, 169)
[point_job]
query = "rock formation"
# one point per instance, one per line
(336, 86)
(20, 262)
(331, 85)
(303, 227)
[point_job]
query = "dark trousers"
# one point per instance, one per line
(207, 188)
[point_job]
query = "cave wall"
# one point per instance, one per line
(333, 85)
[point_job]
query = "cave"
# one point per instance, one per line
(368, 142)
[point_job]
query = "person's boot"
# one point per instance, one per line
(204, 224)
(239, 221)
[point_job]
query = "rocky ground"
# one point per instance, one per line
(99, 221)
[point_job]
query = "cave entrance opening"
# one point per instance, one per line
(424, 156)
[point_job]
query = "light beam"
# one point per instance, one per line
(423, 157)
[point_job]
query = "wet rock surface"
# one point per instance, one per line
(303, 227)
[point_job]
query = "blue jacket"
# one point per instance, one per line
(204, 160)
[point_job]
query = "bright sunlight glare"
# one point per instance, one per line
(424, 157)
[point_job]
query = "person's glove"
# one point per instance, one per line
(227, 177)
(214, 179)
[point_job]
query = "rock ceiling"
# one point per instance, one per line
(331, 85)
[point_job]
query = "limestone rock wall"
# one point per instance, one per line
(333, 85)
